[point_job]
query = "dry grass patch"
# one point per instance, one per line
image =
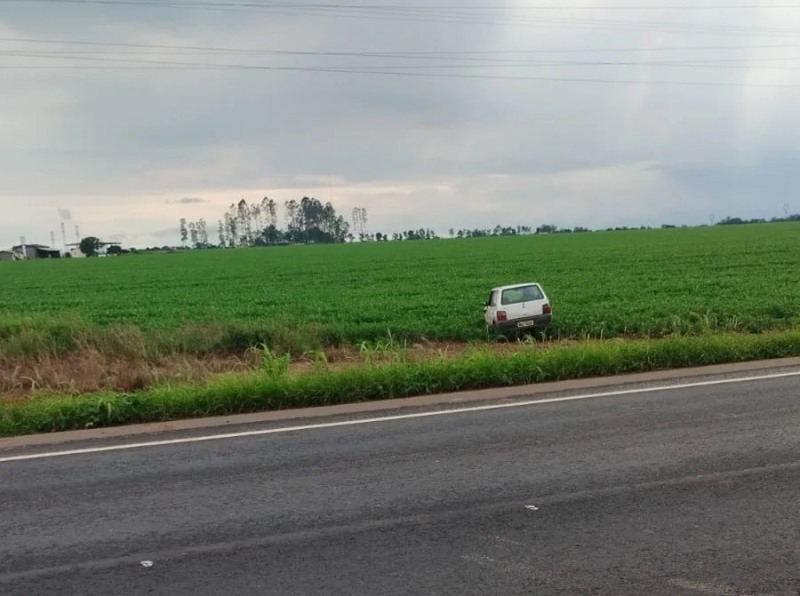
(91, 370)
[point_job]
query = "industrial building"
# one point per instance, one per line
(36, 251)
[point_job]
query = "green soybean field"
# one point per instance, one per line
(601, 284)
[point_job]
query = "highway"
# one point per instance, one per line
(691, 490)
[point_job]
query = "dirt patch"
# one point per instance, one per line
(91, 371)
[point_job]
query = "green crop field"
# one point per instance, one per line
(601, 284)
(148, 337)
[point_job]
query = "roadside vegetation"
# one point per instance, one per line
(142, 327)
(386, 373)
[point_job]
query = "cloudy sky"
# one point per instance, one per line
(122, 116)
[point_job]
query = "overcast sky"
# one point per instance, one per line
(508, 113)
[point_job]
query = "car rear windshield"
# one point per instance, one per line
(521, 294)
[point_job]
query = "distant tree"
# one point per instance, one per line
(221, 232)
(271, 235)
(184, 233)
(245, 225)
(271, 211)
(265, 215)
(202, 233)
(193, 236)
(231, 226)
(89, 246)
(310, 221)
(290, 209)
(359, 217)
(341, 229)
(256, 218)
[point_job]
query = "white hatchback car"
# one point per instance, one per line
(517, 309)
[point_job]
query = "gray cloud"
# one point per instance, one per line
(569, 145)
(185, 201)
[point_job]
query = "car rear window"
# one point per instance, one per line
(521, 294)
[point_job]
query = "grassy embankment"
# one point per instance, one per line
(272, 387)
(134, 331)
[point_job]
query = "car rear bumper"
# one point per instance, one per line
(524, 324)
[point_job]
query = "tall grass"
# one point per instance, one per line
(41, 336)
(32, 337)
(271, 388)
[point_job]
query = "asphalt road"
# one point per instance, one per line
(687, 491)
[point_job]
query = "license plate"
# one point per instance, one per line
(525, 324)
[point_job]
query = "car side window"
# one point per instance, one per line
(491, 301)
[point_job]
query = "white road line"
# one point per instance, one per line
(286, 429)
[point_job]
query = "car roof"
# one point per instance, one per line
(520, 285)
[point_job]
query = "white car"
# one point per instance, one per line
(517, 309)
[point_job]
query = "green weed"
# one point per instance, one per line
(272, 365)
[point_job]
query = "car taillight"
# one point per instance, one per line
(546, 309)
(501, 315)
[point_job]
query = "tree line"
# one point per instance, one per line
(734, 221)
(307, 221)
(310, 221)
